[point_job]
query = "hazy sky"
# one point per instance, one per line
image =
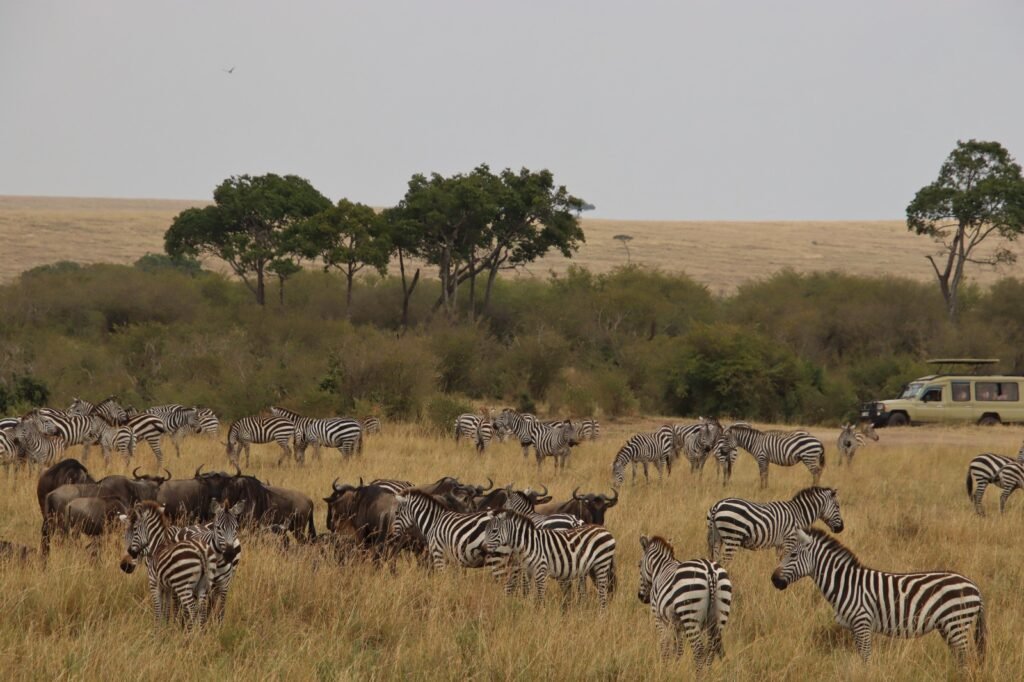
(743, 109)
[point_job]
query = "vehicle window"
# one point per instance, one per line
(932, 395)
(996, 390)
(961, 391)
(912, 390)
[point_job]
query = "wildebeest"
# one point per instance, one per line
(67, 471)
(91, 516)
(269, 505)
(496, 499)
(453, 493)
(188, 500)
(589, 508)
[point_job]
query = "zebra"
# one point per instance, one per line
(149, 428)
(695, 440)
(553, 441)
(342, 433)
(73, 429)
(658, 448)
(781, 448)
(370, 425)
(894, 604)
(208, 422)
(9, 422)
(9, 451)
(221, 535)
(451, 536)
(35, 445)
(853, 437)
(248, 430)
(392, 485)
(1010, 478)
(179, 421)
(112, 438)
(984, 470)
(725, 452)
(686, 597)
(475, 427)
(518, 424)
(519, 501)
(108, 408)
(179, 571)
(735, 522)
(565, 555)
(588, 429)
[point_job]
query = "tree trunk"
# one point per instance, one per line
(348, 293)
(406, 288)
(280, 290)
(261, 289)
(492, 274)
(472, 294)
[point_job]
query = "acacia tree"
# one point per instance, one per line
(245, 227)
(347, 237)
(978, 195)
(406, 240)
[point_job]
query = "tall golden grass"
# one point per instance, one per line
(289, 617)
(720, 254)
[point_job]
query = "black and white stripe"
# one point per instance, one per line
(179, 572)
(565, 555)
(658, 448)
(1010, 478)
(221, 535)
(149, 428)
(724, 451)
(588, 429)
(120, 439)
(894, 604)
(474, 427)
(519, 501)
(852, 437)
(553, 441)
(983, 471)
(109, 409)
(694, 441)
(35, 445)
(342, 433)
(784, 448)
(735, 522)
(452, 537)
(248, 430)
(520, 425)
(370, 425)
(691, 598)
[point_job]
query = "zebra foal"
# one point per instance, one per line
(688, 598)
(656, 448)
(894, 604)
(853, 437)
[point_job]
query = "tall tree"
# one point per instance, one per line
(245, 227)
(347, 237)
(406, 239)
(978, 196)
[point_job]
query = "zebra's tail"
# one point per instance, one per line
(980, 632)
(821, 460)
(714, 538)
(970, 484)
(712, 615)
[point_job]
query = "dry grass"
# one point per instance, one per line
(722, 255)
(904, 503)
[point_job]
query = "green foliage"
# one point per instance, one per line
(154, 262)
(441, 411)
(978, 196)
(22, 392)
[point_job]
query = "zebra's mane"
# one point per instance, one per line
(811, 490)
(512, 513)
(664, 543)
(830, 543)
(155, 508)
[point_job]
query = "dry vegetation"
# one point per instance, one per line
(904, 503)
(41, 230)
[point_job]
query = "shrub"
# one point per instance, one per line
(441, 411)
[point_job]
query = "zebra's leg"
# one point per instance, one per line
(247, 446)
(979, 492)
(694, 635)
(646, 477)
(666, 637)
(634, 472)
(1002, 498)
(154, 595)
(862, 636)
(602, 580)
(285, 451)
(154, 445)
(955, 634)
(815, 469)
(176, 438)
(762, 469)
(540, 578)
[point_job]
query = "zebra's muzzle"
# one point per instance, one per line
(127, 564)
(838, 527)
(779, 582)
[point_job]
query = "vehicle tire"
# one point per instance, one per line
(989, 420)
(898, 419)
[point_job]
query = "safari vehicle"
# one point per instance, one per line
(952, 397)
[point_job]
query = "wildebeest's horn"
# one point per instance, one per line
(490, 485)
(334, 485)
(238, 472)
(169, 475)
(360, 481)
(545, 493)
(135, 473)
(198, 470)
(614, 498)
(574, 491)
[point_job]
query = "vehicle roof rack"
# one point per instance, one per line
(947, 364)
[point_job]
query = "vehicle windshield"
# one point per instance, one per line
(913, 390)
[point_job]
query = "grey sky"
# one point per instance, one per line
(742, 109)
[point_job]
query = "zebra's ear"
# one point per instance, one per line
(644, 541)
(238, 508)
(123, 518)
(163, 508)
(802, 537)
(400, 498)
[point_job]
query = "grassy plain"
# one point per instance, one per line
(722, 255)
(903, 501)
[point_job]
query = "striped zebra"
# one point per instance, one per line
(179, 420)
(73, 429)
(179, 572)
(9, 422)
(519, 501)
(735, 522)
(565, 555)
(221, 535)
(149, 428)
(517, 424)
(1010, 478)
(248, 430)
(725, 453)
(588, 429)
(853, 437)
(687, 598)
(780, 447)
(894, 604)
(35, 445)
(451, 536)
(479, 430)
(983, 471)
(694, 441)
(120, 439)
(108, 408)
(658, 448)
(342, 433)
(392, 485)
(209, 424)
(9, 452)
(553, 441)
(370, 425)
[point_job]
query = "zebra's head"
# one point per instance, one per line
(829, 510)
(144, 522)
(797, 561)
(656, 551)
(225, 528)
(725, 452)
(405, 518)
(868, 429)
(79, 407)
(501, 529)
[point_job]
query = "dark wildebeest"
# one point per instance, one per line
(126, 490)
(589, 508)
(449, 488)
(268, 505)
(61, 473)
(366, 513)
(188, 500)
(496, 499)
(91, 516)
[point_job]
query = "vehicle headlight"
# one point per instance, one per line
(881, 407)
